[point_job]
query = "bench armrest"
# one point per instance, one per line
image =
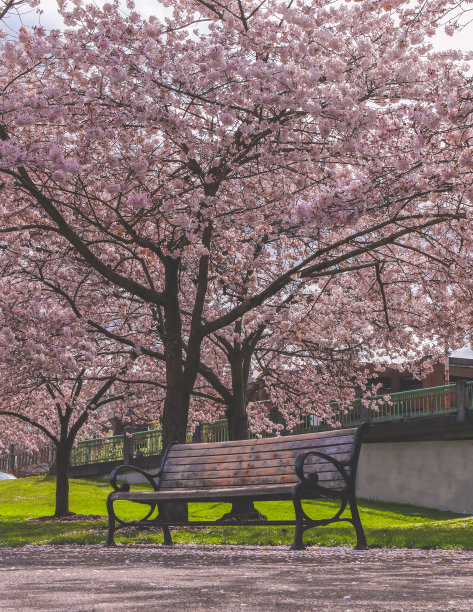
(125, 486)
(312, 478)
(153, 480)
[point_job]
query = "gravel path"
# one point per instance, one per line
(231, 578)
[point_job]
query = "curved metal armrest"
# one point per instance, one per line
(313, 478)
(153, 480)
(125, 486)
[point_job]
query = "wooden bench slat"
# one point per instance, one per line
(220, 466)
(275, 460)
(275, 471)
(197, 483)
(286, 443)
(280, 491)
(180, 458)
(247, 461)
(320, 435)
(214, 493)
(337, 483)
(256, 480)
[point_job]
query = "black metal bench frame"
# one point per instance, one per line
(307, 489)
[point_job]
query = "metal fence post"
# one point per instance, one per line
(197, 435)
(461, 400)
(127, 445)
(365, 414)
(12, 459)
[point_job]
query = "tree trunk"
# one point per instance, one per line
(176, 409)
(175, 406)
(177, 401)
(237, 419)
(175, 414)
(63, 455)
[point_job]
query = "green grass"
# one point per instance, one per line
(385, 524)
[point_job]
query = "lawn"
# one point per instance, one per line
(385, 524)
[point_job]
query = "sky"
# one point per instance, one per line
(51, 19)
(462, 40)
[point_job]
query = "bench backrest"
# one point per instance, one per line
(255, 462)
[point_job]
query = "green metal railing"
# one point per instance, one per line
(435, 401)
(143, 444)
(420, 403)
(98, 451)
(215, 432)
(218, 431)
(147, 443)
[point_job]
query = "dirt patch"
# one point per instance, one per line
(80, 518)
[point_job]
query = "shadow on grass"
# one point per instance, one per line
(22, 533)
(455, 533)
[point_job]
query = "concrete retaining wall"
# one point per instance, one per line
(434, 474)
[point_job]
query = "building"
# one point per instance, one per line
(459, 367)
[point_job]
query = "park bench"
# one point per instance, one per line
(299, 467)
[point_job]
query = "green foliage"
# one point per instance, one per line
(386, 524)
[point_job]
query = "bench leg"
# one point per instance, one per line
(167, 536)
(360, 534)
(111, 523)
(298, 543)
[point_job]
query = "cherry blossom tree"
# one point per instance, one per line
(318, 345)
(202, 166)
(56, 380)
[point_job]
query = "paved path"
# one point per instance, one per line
(66, 578)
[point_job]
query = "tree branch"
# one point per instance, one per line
(145, 293)
(35, 424)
